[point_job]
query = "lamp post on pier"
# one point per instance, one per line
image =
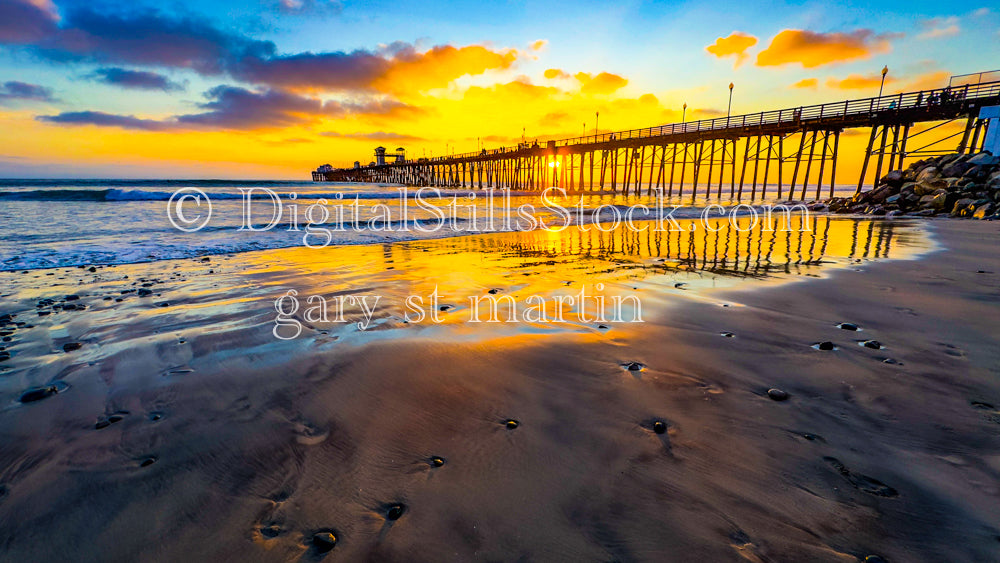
(597, 121)
(885, 71)
(684, 110)
(730, 108)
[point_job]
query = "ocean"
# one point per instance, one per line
(60, 223)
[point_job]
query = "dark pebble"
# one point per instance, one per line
(602, 327)
(145, 292)
(493, 291)
(659, 427)
(445, 308)
(634, 366)
(5, 355)
(511, 423)
(394, 511)
(91, 269)
(154, 416)
(162, 304)
(727, 334)
(848, 326)
(72, 297)
(873, 344)
(324, 541)
(777, 394)
(437, 461)
(102, 424)
(38, 393)
(147, 462)
(44, 313)
(825, 346)
(70, 346)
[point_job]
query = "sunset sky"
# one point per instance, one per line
(275, 88)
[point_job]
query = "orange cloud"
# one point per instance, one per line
(936, 28)
(603, 83)
(556, 73)
(812, 49)
(806, 83)
(439, 66)
(858, 82)
(539, 44)
(736, 44)
(929, 81)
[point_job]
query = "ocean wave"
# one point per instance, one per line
(127, 195)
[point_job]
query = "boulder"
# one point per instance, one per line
(894, 178)
(960, 207)
(956, 169)
(939, 201)
(983, 211)
(984, 159)
(928, 173)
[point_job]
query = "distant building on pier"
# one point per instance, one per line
(380, 156)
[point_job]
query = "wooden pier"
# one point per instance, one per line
(792, 150)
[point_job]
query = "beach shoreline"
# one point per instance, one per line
(227, 443)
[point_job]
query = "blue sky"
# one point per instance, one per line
(70, 48)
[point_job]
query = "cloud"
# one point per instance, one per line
(736, 44)
(101, 119)
(812, 49)
(14, 90)
(556, 73)
(929, 81)
(553, 119)
(397, 67)
(858, 82)
(539, 44)
(981, 12)
(135, 79)
(935, 28)
(240, 109)
(806, 83)
(707, 113)
(374, 136)
(147, 38)
(310, 7)
(603, 83)
(23, 22)
(232, 107)
(150, 38)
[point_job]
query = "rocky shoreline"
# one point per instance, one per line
(953, 185)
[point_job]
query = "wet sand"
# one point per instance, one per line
(181, 429)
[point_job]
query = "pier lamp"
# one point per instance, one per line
(684, 110)
(885, 71)
(597, 121)
(730, 108)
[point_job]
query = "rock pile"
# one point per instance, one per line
(956, 185)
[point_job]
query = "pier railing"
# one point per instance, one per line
(850, 112)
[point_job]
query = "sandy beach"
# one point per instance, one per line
(181, 429)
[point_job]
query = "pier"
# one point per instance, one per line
(793, 150)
